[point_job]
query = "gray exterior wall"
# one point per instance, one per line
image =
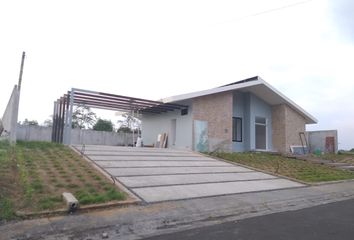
(78, 136)
(317, 140)
(10, 116)
(247, 106)
(259, 108)
(239, 108)
(154, 124)
(34, 133)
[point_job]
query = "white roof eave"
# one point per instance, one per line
(211, 91)
(310, 119)
(259, 81)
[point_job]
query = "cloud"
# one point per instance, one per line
(341, 12)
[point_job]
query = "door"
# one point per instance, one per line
(330, 147)
(261, 133)
(201, 143)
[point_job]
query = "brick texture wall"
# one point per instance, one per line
(216, 109)
(286, 126)
(278, 128)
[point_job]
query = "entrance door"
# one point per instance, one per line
(330, 145)
(261, 133)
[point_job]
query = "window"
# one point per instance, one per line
(237, 129)
(261, 121)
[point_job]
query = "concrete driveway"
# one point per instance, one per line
(156, 175)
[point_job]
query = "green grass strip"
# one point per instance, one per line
(294, 168)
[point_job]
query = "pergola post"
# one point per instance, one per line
(66, 106)
(54, 119)
(62, 119)
(69, 116)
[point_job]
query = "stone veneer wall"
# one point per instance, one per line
(278, 128)
(286, 125)
(216, 109)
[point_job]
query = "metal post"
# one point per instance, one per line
(60, 126)
(54, 119)
(133, 125)
(57, 126)
(62, 122)
(70, 118)
(67, 100)
(55, 123)
(21, 70)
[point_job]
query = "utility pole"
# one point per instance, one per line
(21, 71)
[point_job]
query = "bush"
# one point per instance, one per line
(103, 125)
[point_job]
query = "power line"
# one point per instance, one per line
(271, 10)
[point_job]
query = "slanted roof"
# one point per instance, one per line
(254, 85)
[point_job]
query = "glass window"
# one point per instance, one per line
(237, 129)
(260, 120)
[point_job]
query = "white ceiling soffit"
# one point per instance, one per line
(271, 95)
(258, 87)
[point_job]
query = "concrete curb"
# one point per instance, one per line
(82, 209)
(331, 182)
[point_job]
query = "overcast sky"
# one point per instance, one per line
(155, 49)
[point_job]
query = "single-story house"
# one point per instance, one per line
(242, 116)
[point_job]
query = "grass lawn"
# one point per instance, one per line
(293, 168)
(33, 175)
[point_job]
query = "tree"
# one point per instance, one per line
(103, 125)
(128, 122)
(83, 117)
(124, 130)
(30, 122)
(48, 123)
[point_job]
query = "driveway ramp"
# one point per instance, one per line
(156, 174)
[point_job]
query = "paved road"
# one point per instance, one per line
(325, 222)
(156, 174)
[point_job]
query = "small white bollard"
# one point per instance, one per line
(71, 202)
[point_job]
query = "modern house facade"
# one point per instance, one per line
(243, 116)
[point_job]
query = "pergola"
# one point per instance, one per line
(63, 108)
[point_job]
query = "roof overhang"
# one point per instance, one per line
(256, 86)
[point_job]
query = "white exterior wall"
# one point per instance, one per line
(154, 124)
